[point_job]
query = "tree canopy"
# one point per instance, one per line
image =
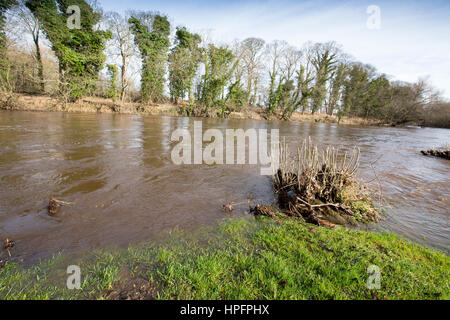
(153, 43)
(4, 6)
(80, 52)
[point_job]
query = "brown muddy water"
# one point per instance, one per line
(117, 172)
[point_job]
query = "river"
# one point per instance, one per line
(117, 172)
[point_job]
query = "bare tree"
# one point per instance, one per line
(253, 51)
(237, 48)
(290, 62)
(121, 46)
(410, 101)
(22, 22)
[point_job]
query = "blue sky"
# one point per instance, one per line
(412, 42)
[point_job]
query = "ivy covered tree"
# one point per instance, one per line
(378, 97)
(184, 60)
(324, 62)
(237, 97)
(336, 86)
(355, 86)
(298, 99)
(153, 43)
(79, 51)
(4, 6)
(219, 63)
(275, 51)
(113, 90)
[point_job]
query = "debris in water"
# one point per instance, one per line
(228, 207)
(54, 205)
(9, 244)
(445, 154)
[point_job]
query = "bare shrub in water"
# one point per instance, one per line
(441, 152)
(321, 184)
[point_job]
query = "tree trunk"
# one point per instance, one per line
(40, 65)
(123, 79)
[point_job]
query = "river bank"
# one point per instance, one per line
(25, 102)
(245, 259)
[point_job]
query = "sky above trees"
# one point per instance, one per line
(412, 41)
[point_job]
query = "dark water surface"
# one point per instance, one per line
(118, 173)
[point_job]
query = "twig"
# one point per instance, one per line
(338, 206)
(62, 202)
(379, 185)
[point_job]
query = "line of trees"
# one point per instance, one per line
(111, 53)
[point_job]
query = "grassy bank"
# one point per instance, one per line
(245, 259)
(24, 102)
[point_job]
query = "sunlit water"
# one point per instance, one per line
(117, 172)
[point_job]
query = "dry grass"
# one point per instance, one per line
(308, 117)
(27, 102)
(89, 105)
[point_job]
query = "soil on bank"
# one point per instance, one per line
(101, 105)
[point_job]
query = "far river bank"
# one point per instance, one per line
(25, 102)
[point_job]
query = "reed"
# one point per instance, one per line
(320, 184)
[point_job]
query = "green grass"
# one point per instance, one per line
(250, 259)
